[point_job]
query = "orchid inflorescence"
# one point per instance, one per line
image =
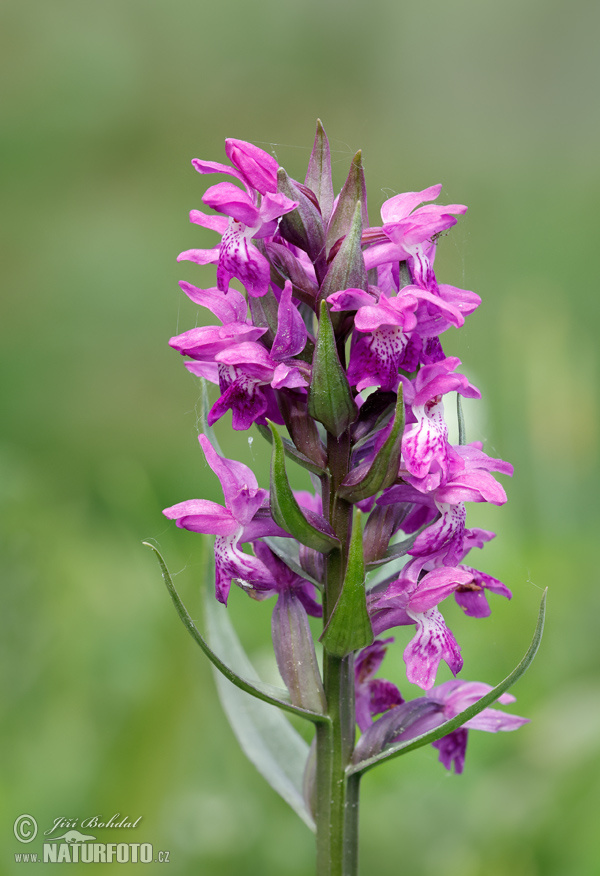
(334, 354)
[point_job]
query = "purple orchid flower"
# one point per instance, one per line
(469, 480)
(373, 695)
(247, 373)
(440, 704)
(286, 580)
(425, 442)
(408, 230)
(413, 600)
(252, 213)
(384, 323)
(245, 517)
(229, 307)
(455, 696)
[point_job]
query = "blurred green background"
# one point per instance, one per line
(107, 705)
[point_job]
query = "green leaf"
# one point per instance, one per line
(404, 747)
(329, 396)
(286, 511)
(318, 175)
(349, 626)
(384, 468)
(353, 192)
(266, 737)
(266, 692)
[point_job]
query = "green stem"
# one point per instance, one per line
(337, 791)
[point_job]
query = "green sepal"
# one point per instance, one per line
(399, 748)
(286, 511)
(329, 396)
(347, 269)
(353, 191)
(349, 626)
(318, 175)
(302, 227)
(384, 468)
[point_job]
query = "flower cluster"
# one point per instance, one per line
(337, 340)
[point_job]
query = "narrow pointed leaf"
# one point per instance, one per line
(310, 529)
(349, 627)
(384, 468)
(347, 269)
(318, 175)
(268, 693)
(266, 737)
(329, 396)
(353, 191)
(433, 735)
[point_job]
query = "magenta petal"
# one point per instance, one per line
(254, 357)
(444, 537)
(230, 199)
(258, 168)
(375, 358)
(228, 306)
(426, 441)
(208, 370)
(200, 256)
(400, 206)
(214, 167)
(436, 585)
(473, 486)
(274, 206)
(202, 515)
(238, 258)
(215, 223)
(243, 498)
(452, 749)
(291, 331)
(350, 299)
(246, 400)
(205, 342)
(231, 562)
(432, 643)
(493, 721)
